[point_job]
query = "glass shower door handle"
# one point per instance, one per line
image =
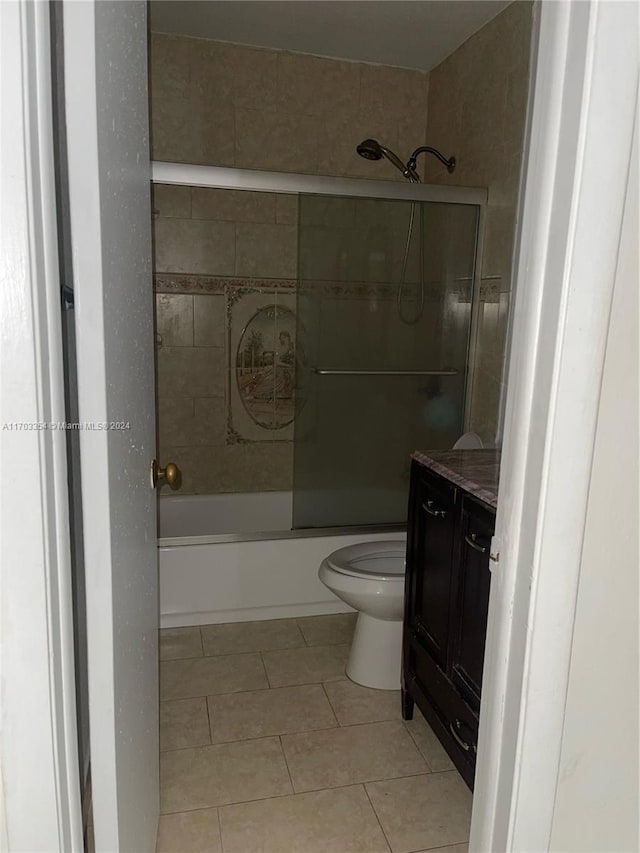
(327, 371)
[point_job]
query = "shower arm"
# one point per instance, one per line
(426, 149)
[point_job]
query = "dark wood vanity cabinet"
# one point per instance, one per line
(446, 603)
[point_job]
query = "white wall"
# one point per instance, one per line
(597, 793)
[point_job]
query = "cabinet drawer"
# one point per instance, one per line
(457, 723)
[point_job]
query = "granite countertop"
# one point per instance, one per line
(475, 471)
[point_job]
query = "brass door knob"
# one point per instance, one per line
(170, 475)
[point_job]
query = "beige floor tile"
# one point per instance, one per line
(183, 723)
(338, 821)
(210, 675)
(237, 637)
(354, 704)
(283, 710)
(432, 750)
(225, 773)
(345, 756)
(189, 832)
(305, 666)
(450, 848)
(331, 630)
(422, 812)
(176, 643)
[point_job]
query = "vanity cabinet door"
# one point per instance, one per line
(470, 600)
(430, 558)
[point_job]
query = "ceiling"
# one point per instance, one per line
(414, 34)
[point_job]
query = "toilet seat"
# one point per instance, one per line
(382, 561)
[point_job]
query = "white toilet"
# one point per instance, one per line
(370, 578)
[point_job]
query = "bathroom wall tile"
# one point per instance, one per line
(430, 747)
(211, 70)
(174, 130)
(226, 773)
(194, 246)
(170, 201)
(234, 468)
(191, 371)
(331, 630)
(235, 637)
(338, 137)
(189, 832)
(311, 85)
(276, 141)
(269, 712)
(305, 666)
(286, 209)
(344, 756)
(266, 250)
(238, 74)
(254, 77)
(318, 822)
(184, 723)
(423, 811)
(174, 319)
(176, 643)
(499, 241)
(169, 65)
(210, 675)
(233, 205)
(354, 704)
(209, 320)
(392, 92)
(184, 422)
(214, 130)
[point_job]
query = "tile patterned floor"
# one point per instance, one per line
(267, 747)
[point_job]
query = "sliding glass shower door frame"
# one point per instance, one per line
(230, 178)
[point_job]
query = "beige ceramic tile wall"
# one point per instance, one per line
(213, 232)
(476, 111)
(231, 105)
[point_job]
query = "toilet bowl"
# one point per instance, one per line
(370, 578)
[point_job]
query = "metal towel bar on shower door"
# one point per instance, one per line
(330, 372)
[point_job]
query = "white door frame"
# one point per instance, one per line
(40, 807)
(585, 99)
(576, 177)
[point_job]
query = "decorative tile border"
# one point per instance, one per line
(182, 283)
(236, 286)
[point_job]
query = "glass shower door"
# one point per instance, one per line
(381, 357)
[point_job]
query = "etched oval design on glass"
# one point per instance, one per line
(266, 367)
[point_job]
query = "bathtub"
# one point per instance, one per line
(214, 567)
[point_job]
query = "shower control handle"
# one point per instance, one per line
(170, 474)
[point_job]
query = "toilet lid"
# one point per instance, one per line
(383, 560)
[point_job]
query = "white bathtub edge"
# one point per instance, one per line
(253, 614)
(242, 581)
